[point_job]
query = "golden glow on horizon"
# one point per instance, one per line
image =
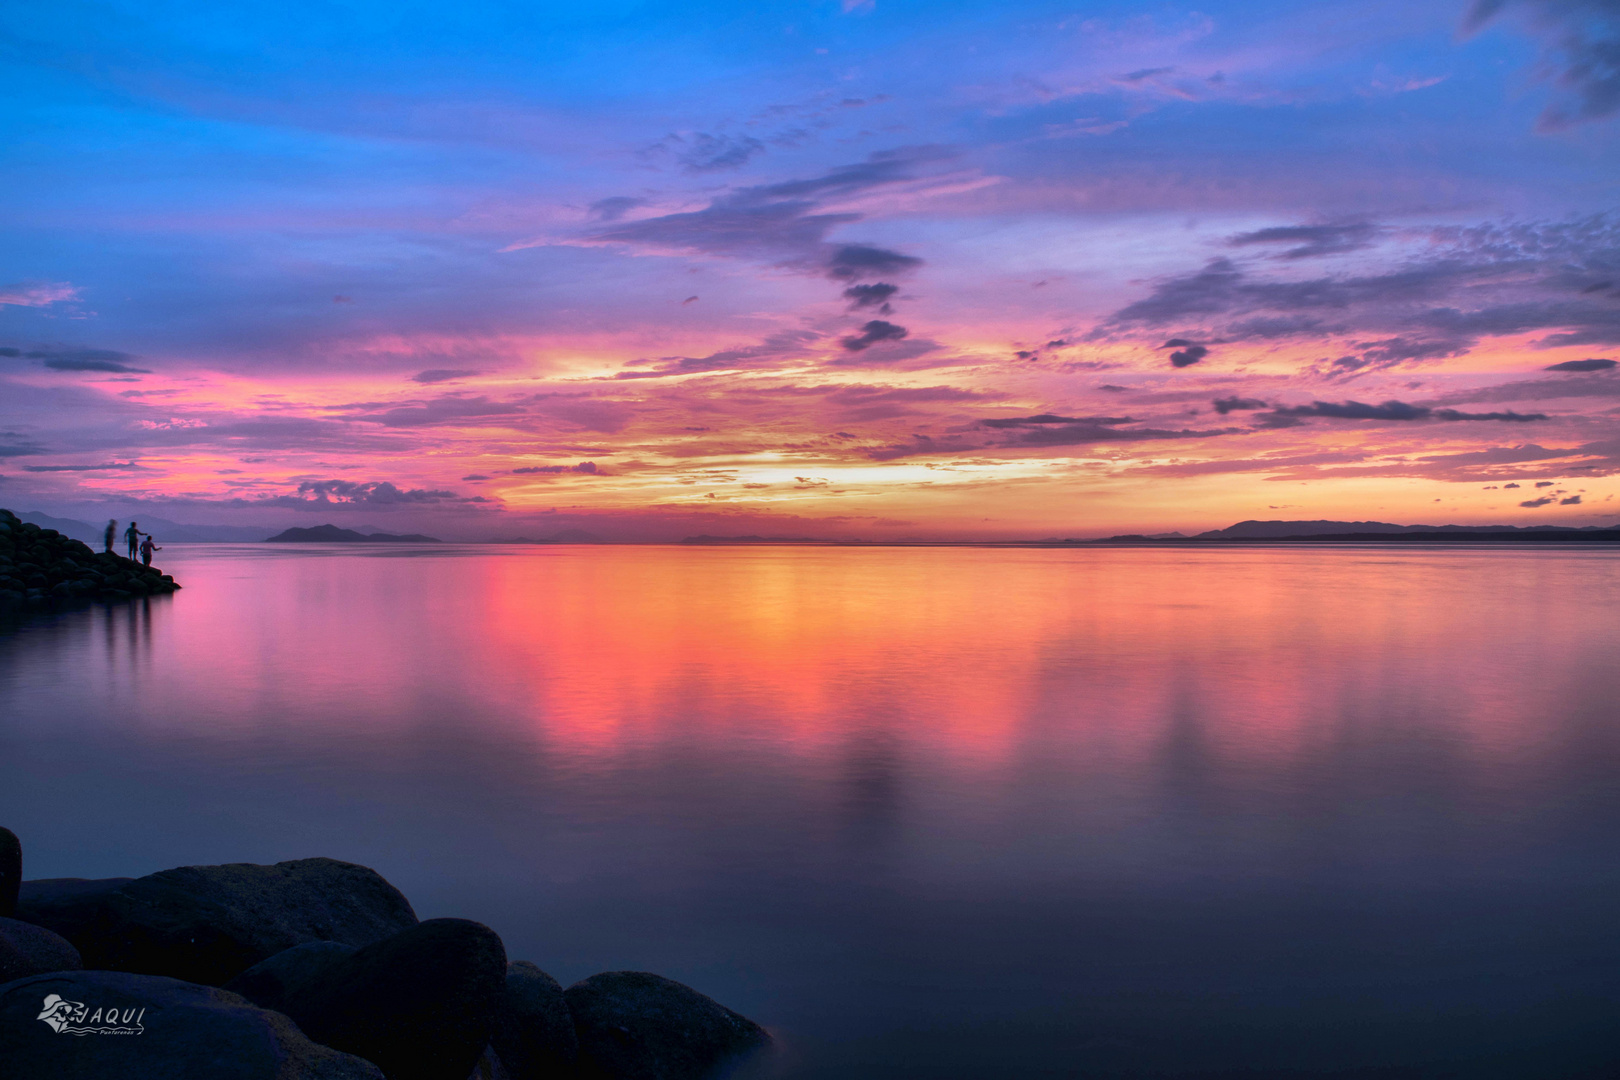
(861, 451)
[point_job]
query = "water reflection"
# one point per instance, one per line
(951, 812)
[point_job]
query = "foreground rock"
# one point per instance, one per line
(207, 924)
(96, 1025)
(633, 1025)
(422, 1004)
(26, 949)
(10, 872)
(288, 975)
(327, 975)
(534, 1032)
(41, 564)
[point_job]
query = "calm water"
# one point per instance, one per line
(923, 812)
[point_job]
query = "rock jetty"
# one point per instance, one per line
(316, 969)
(38, 565)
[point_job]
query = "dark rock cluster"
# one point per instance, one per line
(41, 564)
(316, 970)
(206, 924)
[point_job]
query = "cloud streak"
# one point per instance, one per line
(1580, 54)
(69, 359)
(1467, 285)
(1397, 411)
(37, 294)
(873, 333)
(787, 224)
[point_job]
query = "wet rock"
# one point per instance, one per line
(534, 1032)
(171, 1030)
(272, 983)
(633, 1025)
(26, 949)
(208, 924)
(10, 872)
(421, 1004)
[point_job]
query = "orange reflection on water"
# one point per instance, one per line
(977, 658)
(1280, 791)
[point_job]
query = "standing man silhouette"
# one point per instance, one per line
(107, 537)
(133, 535)
(147, 547)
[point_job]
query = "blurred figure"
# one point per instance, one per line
(133, 535)
(107, 537)
(147, 547)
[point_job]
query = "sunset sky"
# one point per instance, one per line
(873, 269)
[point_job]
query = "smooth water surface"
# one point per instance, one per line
(923, 812)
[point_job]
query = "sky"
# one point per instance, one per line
(875, 270)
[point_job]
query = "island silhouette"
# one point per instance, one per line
(1377, 532)
(331, 534)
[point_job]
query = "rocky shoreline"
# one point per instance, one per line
(41, 565)
(315, 969)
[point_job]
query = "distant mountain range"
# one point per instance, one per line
(331, 534)
(164, 530)
(1299, 531)
(1379, 531)
(1273, 530)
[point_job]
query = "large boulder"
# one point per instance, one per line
(534, 1032)
(633, 1025)
(207, 924)
(93, 1025)
(272, 983)
(26, 949)
(10, 872)
(421, 1004)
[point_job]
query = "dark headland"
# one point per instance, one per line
(38, 565)
(331, 534)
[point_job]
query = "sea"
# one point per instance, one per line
(1256, 812)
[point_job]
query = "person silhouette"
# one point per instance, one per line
(147, 547)
(133, 535)
(109, 535)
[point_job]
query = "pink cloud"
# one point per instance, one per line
(38, 294)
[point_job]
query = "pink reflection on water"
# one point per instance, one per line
(970, 657)
(1067, 793)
